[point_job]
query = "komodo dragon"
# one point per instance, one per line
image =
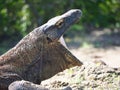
(40, 54)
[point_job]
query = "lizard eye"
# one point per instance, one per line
(59, 24)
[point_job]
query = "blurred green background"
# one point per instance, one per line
(19, 17)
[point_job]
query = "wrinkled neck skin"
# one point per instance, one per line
(23, 54)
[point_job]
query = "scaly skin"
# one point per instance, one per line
(39, 55)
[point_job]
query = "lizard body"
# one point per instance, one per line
(40, 54)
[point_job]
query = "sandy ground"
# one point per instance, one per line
(110, 56)
(100, 45)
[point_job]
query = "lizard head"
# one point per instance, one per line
(56, 26)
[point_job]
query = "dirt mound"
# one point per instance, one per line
(89, 76)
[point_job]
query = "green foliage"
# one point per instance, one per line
(100, 13)
(21, 16)
(14, 17)
(18, 17)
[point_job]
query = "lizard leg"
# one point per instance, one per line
(6, 79)
(25, 85)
